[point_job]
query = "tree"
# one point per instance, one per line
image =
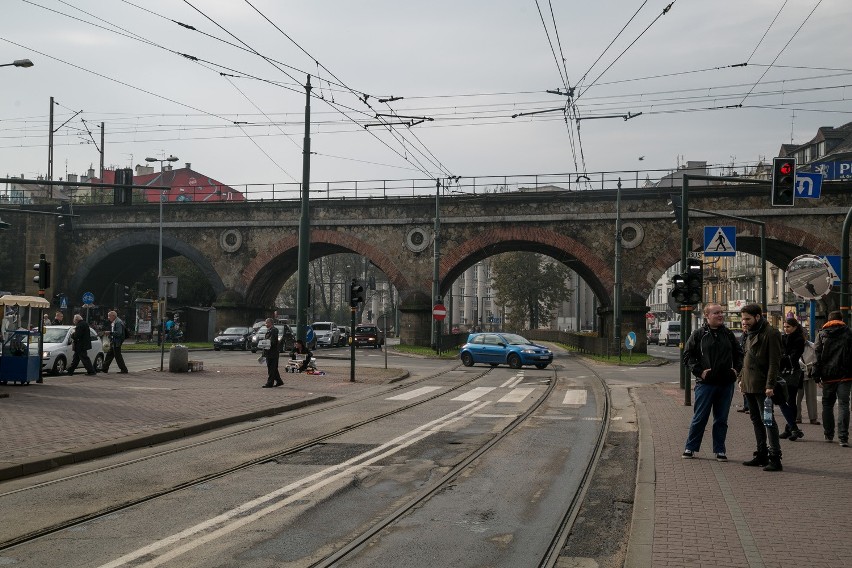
(531, 286)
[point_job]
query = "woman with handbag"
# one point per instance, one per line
(792, 347)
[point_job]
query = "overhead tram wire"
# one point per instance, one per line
(660, 15)
(782, 50)
(766, 32)
(390, 128)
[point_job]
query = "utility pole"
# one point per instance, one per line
(102, 153)
(304, 225)
(617, 304)
(436, 285)
(50, 148)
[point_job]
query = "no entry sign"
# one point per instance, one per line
(439, 312)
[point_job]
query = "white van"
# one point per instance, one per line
(669, 333)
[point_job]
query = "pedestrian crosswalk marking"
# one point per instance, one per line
(413, 394)
(474, 394)
(517, 395)
(514, 380)
(575, 397)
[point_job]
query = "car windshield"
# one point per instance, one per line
(236, 331)
(365, 329)
(321, 326)
(55, 335)
(514, 339)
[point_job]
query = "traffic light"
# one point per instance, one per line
(122, 191)
(676, 202)
(43, 269)
(694, 281)
(66, 221)
(125, 296)
(783, 182)
(680, 290)
(356, 293)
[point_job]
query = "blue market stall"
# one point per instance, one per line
(20, 361)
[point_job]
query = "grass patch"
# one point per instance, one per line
(627, 358)
(426, 351)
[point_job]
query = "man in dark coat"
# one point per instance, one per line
(116, 340)
(833, 372)
(271, 354)
(81, 341)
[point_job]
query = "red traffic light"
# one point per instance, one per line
(786, 168)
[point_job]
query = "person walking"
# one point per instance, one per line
(792, 347)
(833, 373)
(81, 341)
(715, 357)
(761, 362)
(57, 318)
(271, 354)
(808, 391)
(116, 340)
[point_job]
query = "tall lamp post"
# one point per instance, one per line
(160, 260)
(18, 63)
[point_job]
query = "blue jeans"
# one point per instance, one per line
(718, 399)
(831, 393)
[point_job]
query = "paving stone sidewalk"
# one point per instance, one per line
(713, 514)
(73, 418)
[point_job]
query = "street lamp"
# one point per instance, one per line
(160, 255)
(18, 63)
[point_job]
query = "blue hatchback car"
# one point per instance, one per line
(508, 348)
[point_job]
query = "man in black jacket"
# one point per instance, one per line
(81, 341)
(116, 340)
(833, 372)
(271, 354)
(715, 357)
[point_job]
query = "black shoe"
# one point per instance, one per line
(279, 384)
(796, 434)
(104, 371)
(760, 459)
(92, 373)
(267, 386)
(774, 463)
(123, 372)
(785, 434)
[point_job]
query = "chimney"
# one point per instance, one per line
(188, 165)
(72, 178)
(91, 172)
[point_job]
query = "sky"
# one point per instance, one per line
(236, 113)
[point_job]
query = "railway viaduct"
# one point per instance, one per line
(247, 250)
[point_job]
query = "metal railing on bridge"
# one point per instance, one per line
(25, 192)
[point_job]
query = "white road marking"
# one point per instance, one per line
(514, 380)
(575, 396)
(517, 395)
(474, 394)
(413, 394)
(242, 515)
(495, 415)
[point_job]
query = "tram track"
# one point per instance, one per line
(278, 454)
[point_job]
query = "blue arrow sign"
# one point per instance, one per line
(630, 340)
(833, 261)
(720, 241)
(808, 185)
(88, 298)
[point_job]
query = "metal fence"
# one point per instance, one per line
(580, 342)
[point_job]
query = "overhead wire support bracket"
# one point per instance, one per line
(420, 118)
(569, 94)
(409, 123)
(391, 99)
(560, 109)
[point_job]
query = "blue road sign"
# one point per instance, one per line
(63, 303)
(833, 261)
(309, 334)
(801, 307)
(630, 340)
(720, 241)
(808, 185)
(88, 298)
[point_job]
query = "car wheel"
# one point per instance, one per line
(98, 364)
(216, 349)
(59, 365)
(514, 361)
(540, 365)
(467, 359)
(253, 350)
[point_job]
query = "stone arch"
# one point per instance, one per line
(258, 278)
(134, 244)
(583, 260)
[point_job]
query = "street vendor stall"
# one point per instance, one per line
(20, 359)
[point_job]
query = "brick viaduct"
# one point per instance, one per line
(248, 250)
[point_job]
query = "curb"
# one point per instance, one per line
(139, 441)
(640, 543)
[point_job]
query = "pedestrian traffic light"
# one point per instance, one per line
(43, 269)
(125, 296)
(694, 281)
(356, 293)
(676, 203)
(783, 182)
(680, 291)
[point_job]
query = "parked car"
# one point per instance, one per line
(233, 338)
(344, 335)
(654, 336)
(368, 335)
(504, 348)
(57, 352)
(669, 333)
(328, 335)
(286, 340)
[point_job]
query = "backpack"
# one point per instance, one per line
(836, 357)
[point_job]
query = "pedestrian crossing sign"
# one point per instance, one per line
(720, 241)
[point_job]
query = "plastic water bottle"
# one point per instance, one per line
(768, 418)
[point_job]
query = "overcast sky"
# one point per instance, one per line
(467, 64)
